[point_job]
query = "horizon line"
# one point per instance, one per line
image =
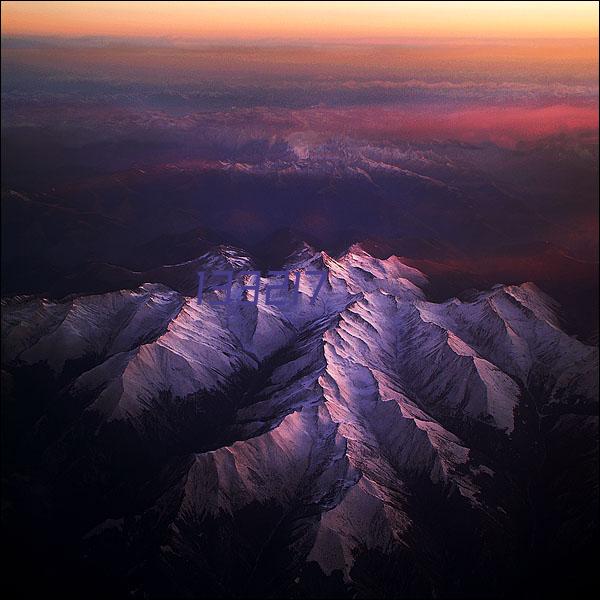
(204, 40)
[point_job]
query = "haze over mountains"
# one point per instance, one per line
(153, 146)
(427, 429)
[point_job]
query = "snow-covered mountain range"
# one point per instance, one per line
(372, 443)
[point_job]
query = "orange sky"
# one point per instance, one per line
(304, 20)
